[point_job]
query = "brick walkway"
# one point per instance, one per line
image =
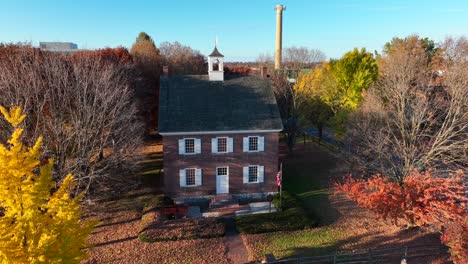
(236, 251)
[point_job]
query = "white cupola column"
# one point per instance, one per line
(216, 56)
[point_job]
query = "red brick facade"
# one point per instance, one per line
(208, 161)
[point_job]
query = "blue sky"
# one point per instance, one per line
(244, 28)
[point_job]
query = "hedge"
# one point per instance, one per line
(292, 217)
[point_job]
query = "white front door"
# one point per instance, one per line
(222, 180)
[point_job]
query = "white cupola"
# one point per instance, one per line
(215, 65)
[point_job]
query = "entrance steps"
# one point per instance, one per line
(222, 205)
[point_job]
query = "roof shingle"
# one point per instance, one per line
(195, 104)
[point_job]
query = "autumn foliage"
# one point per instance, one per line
(36, 224)
(422, 200)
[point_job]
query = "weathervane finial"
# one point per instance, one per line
(216, 41)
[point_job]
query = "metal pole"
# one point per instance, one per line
(281, 186)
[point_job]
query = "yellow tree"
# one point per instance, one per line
(36, 224)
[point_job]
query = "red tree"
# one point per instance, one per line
(422, 200)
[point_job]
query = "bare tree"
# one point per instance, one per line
(302, 57)
(407, 122)
(265, 59)
(182, 59)
(82, 106)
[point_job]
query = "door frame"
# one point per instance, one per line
(218, 180)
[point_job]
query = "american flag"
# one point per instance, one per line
(278, 179)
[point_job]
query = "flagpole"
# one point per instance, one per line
(281, 186)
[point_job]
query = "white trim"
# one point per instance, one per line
(185, 177)
(230, 144)
(181, 146)
(218, 179)
(227, 170)
(217, 145)
(261, 144)
(245, 174)
(198, 177)
(248, 174)
(194, 147)
(219, 132)
(182, 178)
(197, 146)
(214, 145)
(248, 144)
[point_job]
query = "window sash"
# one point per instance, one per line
(190, 177)
(253, 144)
(221, 171)
(222, 144)
(253, 173)
(189, 145)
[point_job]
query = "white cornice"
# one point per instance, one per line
(219, 132)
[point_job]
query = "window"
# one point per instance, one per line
(222, 145)
(253, 173)
(190, 177)
(253, 143)
(222, 171)
(189, 145)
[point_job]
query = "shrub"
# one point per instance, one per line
(288, 201)
(292, 217)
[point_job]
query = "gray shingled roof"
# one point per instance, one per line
(216, 53)
(194, 104)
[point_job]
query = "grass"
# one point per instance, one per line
(291, 217)
(306, 242)
(306, 176)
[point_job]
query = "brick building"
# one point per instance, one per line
(220, 134)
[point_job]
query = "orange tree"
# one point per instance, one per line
(421, 199)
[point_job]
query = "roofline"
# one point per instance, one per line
(218, 132)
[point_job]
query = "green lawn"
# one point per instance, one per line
(306, 174)
(317, 241)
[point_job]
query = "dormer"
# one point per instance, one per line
(215, 66)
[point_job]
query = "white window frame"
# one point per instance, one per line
(248, 143)
(256, 167)
(183, 177)
(194, 177)
(185, 146)
(196, 146)
(260, 174)
(260, 144)
(217, 145)
(220, 167)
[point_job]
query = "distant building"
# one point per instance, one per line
(58, 46)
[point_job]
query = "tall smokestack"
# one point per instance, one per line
(279, 35)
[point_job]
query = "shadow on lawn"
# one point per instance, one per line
(411, 238)
(307, 174)
(118, 223)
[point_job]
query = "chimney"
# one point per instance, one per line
(279, 35)
(263, 72)
(165, 70)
